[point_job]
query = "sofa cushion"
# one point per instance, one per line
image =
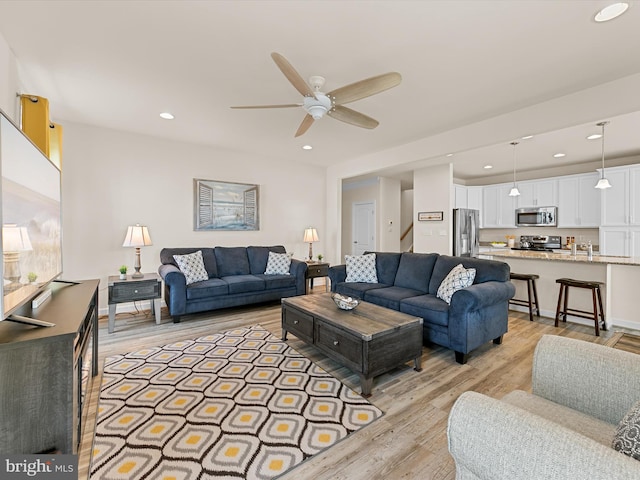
(486, 270)
(232, 261)
(427, 306)
(272, 282)
(278, 264)
(594, 428)
(357, 289)
(214, 287)
(361, 268)
(627, 436)
(415, 270)
(244, 283)
(209, 259)
(192, 266)
(389, 297)
(386, 266)
(258, 257)
(457, 279)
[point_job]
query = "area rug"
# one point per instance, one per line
(625, 341)
(242, 404)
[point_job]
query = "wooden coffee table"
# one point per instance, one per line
(369, 340)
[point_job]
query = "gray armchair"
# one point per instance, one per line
(562, 430)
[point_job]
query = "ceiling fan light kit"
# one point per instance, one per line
(317, 104)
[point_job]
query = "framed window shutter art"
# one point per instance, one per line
(225, 205)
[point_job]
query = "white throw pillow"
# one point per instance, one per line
(278, 264)
(457, 279)
(361, 268)
(192, 265)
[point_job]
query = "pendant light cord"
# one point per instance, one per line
(514, 162)
(602, 124)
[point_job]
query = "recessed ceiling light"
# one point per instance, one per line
(307, 147)
(526, 137)
(487, 167)
(449, 155)
(559, 155)
(594, 136)
(612, 11)
(167, 116)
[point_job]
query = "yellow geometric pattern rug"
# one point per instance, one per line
(236, 405)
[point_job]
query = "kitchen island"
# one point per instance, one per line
(621, 276)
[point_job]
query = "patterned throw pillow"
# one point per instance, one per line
(278, 264)
(192, 266)
(361, 268)
(627, 437)
(457, 279)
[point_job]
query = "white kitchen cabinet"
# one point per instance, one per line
(498, 208)
(620, 241)
(538, 193)
(578, 201)
(474, 200)
(621, 202)
(460, 196)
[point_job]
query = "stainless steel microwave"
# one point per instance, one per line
(537, 217)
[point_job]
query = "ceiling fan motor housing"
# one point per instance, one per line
(317, 106)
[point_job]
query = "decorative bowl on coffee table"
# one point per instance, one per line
(344, 302)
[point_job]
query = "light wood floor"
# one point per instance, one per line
(409, 441)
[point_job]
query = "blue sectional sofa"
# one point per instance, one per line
(408, 282)
(236, 277)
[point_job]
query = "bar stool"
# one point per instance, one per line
(594, 286)
(532, 291)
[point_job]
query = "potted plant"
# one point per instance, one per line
(123, 272)
(320, 257)
(32, 277)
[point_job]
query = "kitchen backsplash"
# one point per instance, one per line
(582, 235)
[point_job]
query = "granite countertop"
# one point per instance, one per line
(560, 256)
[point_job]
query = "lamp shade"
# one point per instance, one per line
(137, 236)
(310, 235)
(15, 239)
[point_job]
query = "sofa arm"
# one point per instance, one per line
(600, 381)
(175, 285)
(298, 269)
(490, 439)
(337, 274)
(481, 295)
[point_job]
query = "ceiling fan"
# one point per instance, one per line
(316, 103)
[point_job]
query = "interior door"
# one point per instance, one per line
(364, 227)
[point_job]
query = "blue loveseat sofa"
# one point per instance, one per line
(408, 282)
(236, 277)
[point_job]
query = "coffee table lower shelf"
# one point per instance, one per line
(369, 340)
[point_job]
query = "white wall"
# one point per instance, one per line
(433, 192)
(389, 209)
(112, 179)
(8, 81)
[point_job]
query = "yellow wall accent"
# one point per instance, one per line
(35, 120)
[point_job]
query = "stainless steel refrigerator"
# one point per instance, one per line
(466, 235)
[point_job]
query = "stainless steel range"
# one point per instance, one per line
(539, 243)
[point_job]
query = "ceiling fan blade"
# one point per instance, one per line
(347, 115)
(294, 77)
(365, 88)
(307, 121)
(270, 106)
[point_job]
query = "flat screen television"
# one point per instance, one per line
(31, 221)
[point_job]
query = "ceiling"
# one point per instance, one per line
(118, 64)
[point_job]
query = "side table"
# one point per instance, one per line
(132, 289)
(317, 270)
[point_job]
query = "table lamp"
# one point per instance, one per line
(14, 240)
(137, 236)
(310, 235)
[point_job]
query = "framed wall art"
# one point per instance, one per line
(225, 205)
(430, 216)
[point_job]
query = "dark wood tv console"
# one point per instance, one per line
(42, 389)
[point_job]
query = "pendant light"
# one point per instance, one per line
(603, 182)
(514, 190)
